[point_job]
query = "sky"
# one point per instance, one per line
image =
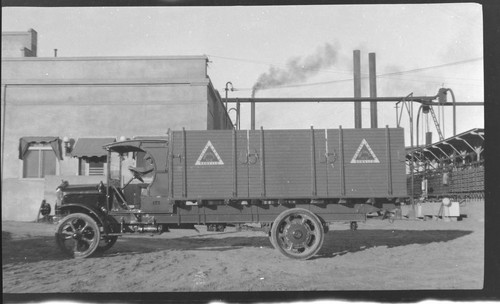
(292, 51)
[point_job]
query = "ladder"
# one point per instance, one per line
(436, 123)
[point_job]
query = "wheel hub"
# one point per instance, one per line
(297, 234)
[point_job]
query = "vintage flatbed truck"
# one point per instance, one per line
(294, 182)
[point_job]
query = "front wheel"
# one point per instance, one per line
(78, 235)
(108, 241)
(297, 233)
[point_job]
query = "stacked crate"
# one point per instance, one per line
(478, 179)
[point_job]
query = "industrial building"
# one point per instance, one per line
(58, 112)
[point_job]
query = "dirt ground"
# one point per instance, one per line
(407, 254)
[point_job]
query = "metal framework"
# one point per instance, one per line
(424, 100)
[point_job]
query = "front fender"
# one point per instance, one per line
(98, 215)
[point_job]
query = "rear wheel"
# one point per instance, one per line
(78, 235)
(297, 233)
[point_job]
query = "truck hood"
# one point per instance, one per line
(80, 188)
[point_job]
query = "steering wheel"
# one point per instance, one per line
(139, 174)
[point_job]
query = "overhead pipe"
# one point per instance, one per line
(426, 100)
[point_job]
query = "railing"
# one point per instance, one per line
(463, 180)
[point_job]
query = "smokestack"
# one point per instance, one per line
(357, 88)
(373, 89)
(252, 111)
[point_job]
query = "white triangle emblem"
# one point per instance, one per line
(364, 154)
(209, 156)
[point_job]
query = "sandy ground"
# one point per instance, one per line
(407, 254)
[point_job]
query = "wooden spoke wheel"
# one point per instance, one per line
(297, 233)
(78, 235)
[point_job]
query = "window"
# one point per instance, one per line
(92, 158)
(39, 161)
(39, 155)
(92, 166)
(139, 158)
(143, 160)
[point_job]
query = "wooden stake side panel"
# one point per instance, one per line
(288, 164)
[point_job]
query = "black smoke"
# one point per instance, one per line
(297, 69)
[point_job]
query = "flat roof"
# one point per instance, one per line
(107, 58)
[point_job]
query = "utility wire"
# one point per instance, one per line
(277, 65)
(384, 75)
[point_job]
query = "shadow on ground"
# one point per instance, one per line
(33, 249)
(348, 241)
(335, 243)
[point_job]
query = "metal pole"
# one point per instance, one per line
(357, 88)
(238, 123)
(227, 114)
(4, 113)
(227, 89)
(397, 119)
(108, 180)
(252, 116)
(373, 89)
(454, 113)
(412, 159)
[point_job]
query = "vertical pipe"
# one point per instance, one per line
(341, 150)
(120, 155)
(184, 164)
(262, 163)
(313, 164)
(252, 114)
(454, 113)
(238, 115)
(171, 163)
(412, 177)
(357, 89)
(235, 174)
(388, 160)
(373, 89)
(397, 118)
(108, 180)
(4, 124)
(428, 138)
(327, 155)
(248, 163)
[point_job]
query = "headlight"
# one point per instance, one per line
(59, 197)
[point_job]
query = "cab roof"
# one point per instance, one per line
(134, 145)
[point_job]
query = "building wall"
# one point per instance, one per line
(217, 116)
(19, 44)
(96, 97)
